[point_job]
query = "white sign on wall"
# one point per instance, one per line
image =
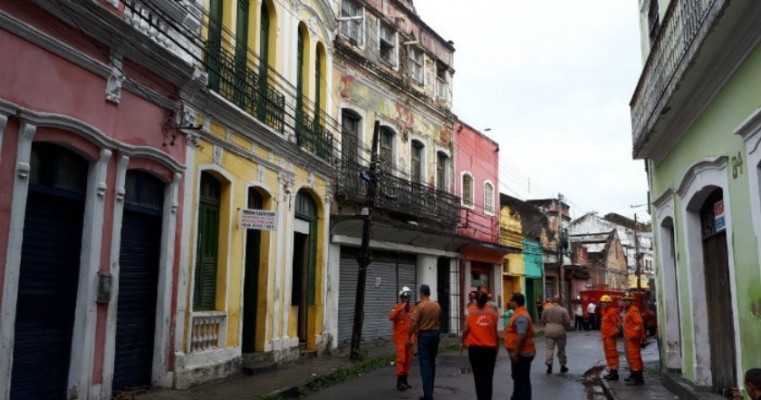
(263, 220)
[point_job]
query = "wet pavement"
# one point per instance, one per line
(454, 380)
(653, 389)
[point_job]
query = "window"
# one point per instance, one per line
(353, 22)
(388, 43)
(441, 171)
(488, 197)
(207, 251)
(415, 64)
(350, 123)
(467, 189)
(653, 21)
(214, 43)
(386, 145)
(416, 165)
(442, 86)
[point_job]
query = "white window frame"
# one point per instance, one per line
(392, 41)
(423, 158)
(489, 200)
(420, 76)
(346, 21)
(472, 196)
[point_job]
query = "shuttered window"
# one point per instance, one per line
(467, 189)
(386, 149)
(441, 171)
(214, 43)
(205, 285)
(416, 168)
(488, 197)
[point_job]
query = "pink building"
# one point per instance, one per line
(91, 171)
(477, 182)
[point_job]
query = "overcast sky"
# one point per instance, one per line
(553, 80)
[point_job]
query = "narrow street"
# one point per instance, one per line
(454, 381)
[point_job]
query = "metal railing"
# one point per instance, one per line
(685, 25)
(312, 136)
(237, 81)
(400, 195)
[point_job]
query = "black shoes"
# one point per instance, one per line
(405, 383)
(549, 369)
(636, 379)
(563, 369)
(611, 376)
(400, 384)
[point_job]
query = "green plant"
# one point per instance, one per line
(325, 381)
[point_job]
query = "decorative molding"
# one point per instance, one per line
(310, 180)
(750, 131)
(262, 172)
(665, 197)
(696, 169)
(100, 139)
(116, 77)
(218, 152)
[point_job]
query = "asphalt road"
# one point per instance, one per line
(454, 380)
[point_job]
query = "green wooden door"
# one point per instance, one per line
(214, 43)
(208, 244)
(241, 52)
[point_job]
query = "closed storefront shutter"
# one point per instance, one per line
(385, 276)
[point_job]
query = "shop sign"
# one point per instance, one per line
(263, 220)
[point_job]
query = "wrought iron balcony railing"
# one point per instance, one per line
(400, 195)
(311, 135)
(248, 88)
(685, 25)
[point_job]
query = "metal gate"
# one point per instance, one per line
(386, 274)
(136, 311)
(47, 294)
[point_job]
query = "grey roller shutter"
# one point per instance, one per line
(347, 288)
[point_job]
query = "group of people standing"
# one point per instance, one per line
(421, 324)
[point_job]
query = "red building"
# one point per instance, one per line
(477, 182)
(91, 170)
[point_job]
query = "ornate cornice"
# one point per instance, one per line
(750, 131)
(696, 169)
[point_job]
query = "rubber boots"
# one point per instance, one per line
(405, 383)
(400, 384)
(612, 375)
(636, 379)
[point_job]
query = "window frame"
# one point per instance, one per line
(420, 64)
(489, 200)
(344, 24)
(442, 184)
(467, 201)
(416, 144)
(393, 43)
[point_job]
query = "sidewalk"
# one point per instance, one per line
(285, 380)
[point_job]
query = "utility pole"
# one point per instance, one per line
(637, 257)
(364, 252)
(560, 248)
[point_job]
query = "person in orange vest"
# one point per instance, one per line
(634, 331)
(480, 337)
(401, 316)
(519, 342)
(610, 328)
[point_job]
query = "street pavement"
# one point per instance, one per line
(455, 381)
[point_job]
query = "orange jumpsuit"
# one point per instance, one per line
(609, 332)
(634, 331)
(401, 315)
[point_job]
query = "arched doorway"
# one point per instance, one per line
(252, 277)
(718, 291)
(139, 260)
(304, 261)
(49, 273)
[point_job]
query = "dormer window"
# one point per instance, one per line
(388, 44)
(415, 64)
(353, 22)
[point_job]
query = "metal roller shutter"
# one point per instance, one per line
(386, 274)
(47, 294)
(136, 311)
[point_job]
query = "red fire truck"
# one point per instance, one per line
(641, 300)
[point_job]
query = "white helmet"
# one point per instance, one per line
(405, 292)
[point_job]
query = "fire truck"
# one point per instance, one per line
(641, 300)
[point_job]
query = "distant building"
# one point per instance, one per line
(605, 259)
(696, 123)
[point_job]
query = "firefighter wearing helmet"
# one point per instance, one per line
(401, 316)
(610, 328)
(634, 332)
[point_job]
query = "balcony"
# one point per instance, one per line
(400, 195)
(685, 26)
(249, 89)
(312, 135)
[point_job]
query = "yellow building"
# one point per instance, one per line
(258, 187)
(511, 236)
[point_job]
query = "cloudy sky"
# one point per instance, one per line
(552, 79)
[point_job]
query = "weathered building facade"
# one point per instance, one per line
(481, 262)
(695, 120)
(605, 259)
(93, 167)
(393, 69)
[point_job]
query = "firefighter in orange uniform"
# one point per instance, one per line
(401, 315)
(610, 327)
(634, 332)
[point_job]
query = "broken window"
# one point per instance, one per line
(388, 44)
